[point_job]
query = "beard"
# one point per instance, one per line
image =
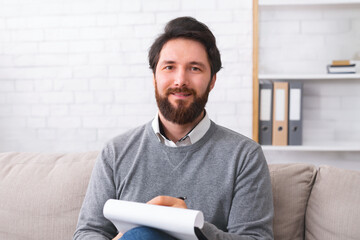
(181, 114)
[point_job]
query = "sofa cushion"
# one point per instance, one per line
(291, 186)
(41, 194)
(334, 206)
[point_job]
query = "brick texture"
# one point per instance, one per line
(74, 73)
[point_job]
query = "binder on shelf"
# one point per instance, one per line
(295, 113)
(280, 114)
(265, 112)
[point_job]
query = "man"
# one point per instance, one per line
(181, 152)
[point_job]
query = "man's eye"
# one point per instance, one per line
(195, 69)
(168, 67)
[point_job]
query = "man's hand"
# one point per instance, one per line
(168, 201)
(163, 201)
(117, 236)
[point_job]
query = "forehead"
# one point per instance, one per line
(183, 50)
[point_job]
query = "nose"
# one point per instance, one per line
(180, 78)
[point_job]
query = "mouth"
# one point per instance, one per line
(181, 94)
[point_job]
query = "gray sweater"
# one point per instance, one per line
(224, 175)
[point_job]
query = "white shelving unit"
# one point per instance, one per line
(331, 147)
(305, 2)
(350, 147)
(309, 77)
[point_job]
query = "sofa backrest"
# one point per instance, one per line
(41, 194)
(333, 210)
(291, 186)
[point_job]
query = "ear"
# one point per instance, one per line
(213, 80)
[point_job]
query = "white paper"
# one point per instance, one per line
(265, 104)
(295, 104)
(177, 222)
(280, 105)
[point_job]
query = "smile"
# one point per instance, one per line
(181, 95)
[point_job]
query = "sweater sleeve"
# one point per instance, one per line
(251, 212)
(91, 223)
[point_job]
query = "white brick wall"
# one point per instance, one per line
(305, 39)
(74, 73)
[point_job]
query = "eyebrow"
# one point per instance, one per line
(167, 62)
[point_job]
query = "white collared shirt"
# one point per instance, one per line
(192, 137)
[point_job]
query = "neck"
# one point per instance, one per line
(174, 131)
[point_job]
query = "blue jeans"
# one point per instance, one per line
(146, 233)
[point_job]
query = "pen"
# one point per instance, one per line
(182, 198)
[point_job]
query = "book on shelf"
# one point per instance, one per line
(177, 222)
(341, 62)
(341, 68)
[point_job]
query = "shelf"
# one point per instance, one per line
(314, 148)
(309, 76)
(305, 2)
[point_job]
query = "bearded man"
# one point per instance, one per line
(181, 152)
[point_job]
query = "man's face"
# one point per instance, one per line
(182, 80)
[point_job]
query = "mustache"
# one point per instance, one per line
(182, 90)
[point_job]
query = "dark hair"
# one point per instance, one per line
(189, 28)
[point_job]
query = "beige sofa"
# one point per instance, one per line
(41, 195)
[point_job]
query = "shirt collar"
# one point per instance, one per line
(192, 137)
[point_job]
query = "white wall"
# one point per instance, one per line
(74, 73)
(304, 39)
